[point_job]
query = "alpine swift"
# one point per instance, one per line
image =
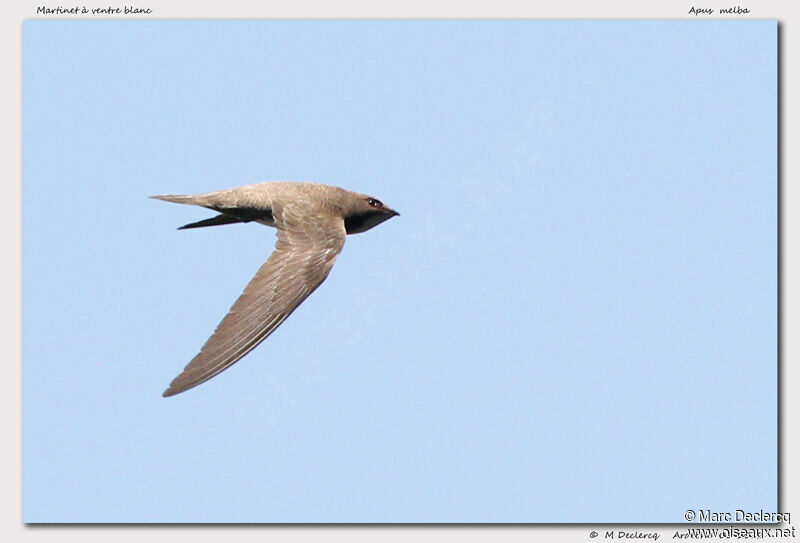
(312, 221)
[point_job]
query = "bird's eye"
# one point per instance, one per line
(374, 203)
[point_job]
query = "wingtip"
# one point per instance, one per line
(174, 198)
(177, 387)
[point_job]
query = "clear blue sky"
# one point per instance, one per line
(573, 320)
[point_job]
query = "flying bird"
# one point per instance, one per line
(312, 221)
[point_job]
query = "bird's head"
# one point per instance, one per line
(363, 212)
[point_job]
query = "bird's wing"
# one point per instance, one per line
(306, 249)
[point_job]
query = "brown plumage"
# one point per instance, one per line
(312, 221)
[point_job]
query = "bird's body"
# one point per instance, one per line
(312, 221)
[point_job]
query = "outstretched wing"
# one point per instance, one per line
(307, 247)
